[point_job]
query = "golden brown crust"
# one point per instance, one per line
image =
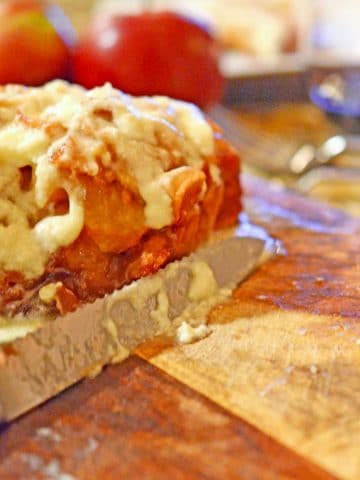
(115, 247)
(100, 188)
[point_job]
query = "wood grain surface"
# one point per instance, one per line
(283, 355)
(135, 422)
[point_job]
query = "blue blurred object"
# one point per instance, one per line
(338, 95)
(62, 24)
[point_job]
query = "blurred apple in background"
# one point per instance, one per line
(33, 48)
(152, 53)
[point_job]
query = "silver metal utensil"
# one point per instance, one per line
(308, 156)
(278, 156)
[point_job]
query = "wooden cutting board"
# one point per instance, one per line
(272, 393)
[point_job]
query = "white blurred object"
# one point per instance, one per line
(337, 28)
(247, 27)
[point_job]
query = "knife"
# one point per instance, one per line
(67, 349)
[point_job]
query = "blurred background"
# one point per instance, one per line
(289, 97)
(261, 28)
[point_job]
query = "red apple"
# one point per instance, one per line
(152, 53)
(31, 49)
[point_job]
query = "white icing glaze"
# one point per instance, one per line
(151, 137)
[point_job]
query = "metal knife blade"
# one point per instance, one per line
(69, 348)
